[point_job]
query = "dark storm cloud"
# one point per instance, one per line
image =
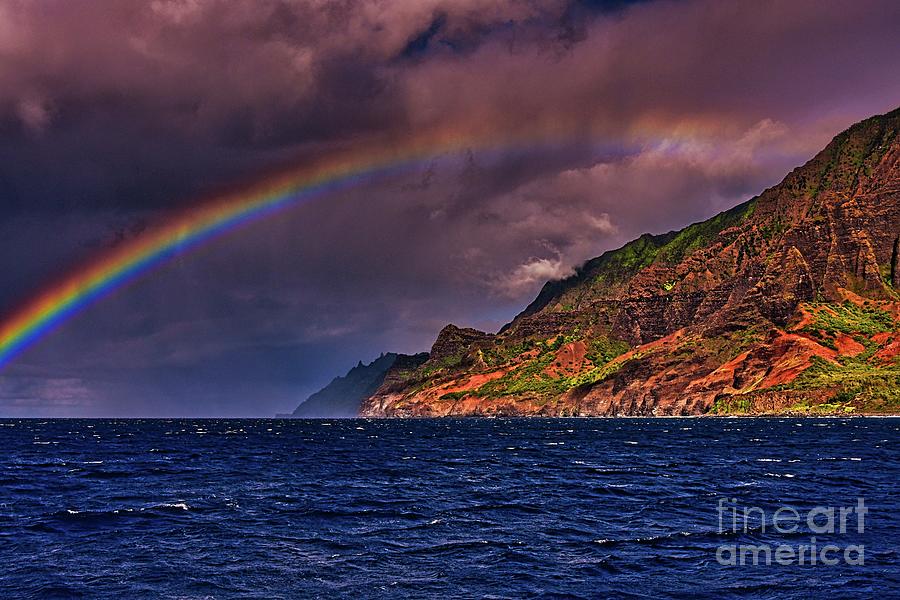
(113, 113)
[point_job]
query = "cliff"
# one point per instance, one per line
(787, 303)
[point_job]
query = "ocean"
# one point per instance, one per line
(461, 508)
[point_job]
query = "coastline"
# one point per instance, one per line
(654, 417)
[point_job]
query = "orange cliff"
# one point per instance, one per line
(787, 303)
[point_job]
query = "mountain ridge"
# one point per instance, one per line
(784, 303)
(342, 397)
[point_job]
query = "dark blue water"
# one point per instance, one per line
(435, 508)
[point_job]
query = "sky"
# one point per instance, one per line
(116, 113)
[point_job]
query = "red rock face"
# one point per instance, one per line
(787, 302)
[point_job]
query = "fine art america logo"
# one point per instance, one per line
(736, 519)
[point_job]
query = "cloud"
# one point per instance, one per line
(34, 113)
(662, 186)
(171, 96)
(532, 272)
(25, 396)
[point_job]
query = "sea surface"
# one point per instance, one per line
(469, 508)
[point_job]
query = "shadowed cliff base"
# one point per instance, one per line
(343, 397)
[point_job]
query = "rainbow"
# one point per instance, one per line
(191, 228)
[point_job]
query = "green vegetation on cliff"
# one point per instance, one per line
(860, 380)
(535, 378)
(700, 235)
(832, 319)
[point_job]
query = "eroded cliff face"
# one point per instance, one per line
(786, 303)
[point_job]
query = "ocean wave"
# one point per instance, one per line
(170, 506)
